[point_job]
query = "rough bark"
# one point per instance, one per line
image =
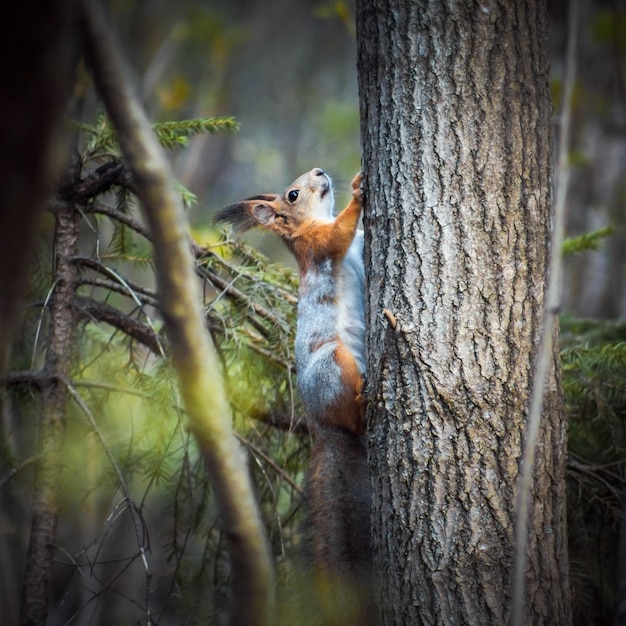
(455, 111)
(39, 560)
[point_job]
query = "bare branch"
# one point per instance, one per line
(96, 183)
(109, 285)
(99, 267)
(118, 216)
(14, 471)
(103, 312)
(135, 514)
(28, 378)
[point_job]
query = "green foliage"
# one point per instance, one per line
(587, 241)
(101, 139)
(337, 9)
(594, 381)
(175, 134)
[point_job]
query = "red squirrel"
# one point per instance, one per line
(329, 355)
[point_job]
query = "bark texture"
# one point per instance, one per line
(455, 111)
(43, 534)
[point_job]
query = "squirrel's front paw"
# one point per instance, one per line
(357, 186)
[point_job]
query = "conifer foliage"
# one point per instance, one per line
(593, 358)
(137, 534)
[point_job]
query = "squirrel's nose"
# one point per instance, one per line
(318, 172)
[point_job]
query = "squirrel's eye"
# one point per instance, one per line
(292, 196)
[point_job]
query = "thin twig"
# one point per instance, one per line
(127, 220)
(279, 470)
(544, 356)
(202, 252)
(131, 290)
(138, 523)
(14, 471)
(109, 285)
(103, 312)
(101, 268)
(228, 288)
(44, 307)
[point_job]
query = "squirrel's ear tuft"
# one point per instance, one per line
(242, 214)
(237, 215)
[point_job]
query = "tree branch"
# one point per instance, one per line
(94, 184)
(103, 312)
(193, 355)
(118, 216)
(236, 294)
(129, 286)
(109, 285)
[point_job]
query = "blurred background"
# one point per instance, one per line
(287, 72)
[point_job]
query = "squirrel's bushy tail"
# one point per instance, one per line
(336, 528)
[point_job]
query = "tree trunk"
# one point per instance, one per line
(455, 111)
(43, 534)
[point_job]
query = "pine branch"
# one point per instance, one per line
(227, 287)
(109, 285)
(95, 184)
(120, 217)
(586, 241)
(130, 287)
(103, 312)
(172, 134)
(135, 514)
(28, 378)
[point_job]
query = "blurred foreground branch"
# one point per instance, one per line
(193, 355)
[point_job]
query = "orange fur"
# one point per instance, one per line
(315, 241)
(349, 409)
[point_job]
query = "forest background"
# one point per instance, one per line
(286, 72)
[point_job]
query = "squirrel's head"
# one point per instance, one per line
(308, 199)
